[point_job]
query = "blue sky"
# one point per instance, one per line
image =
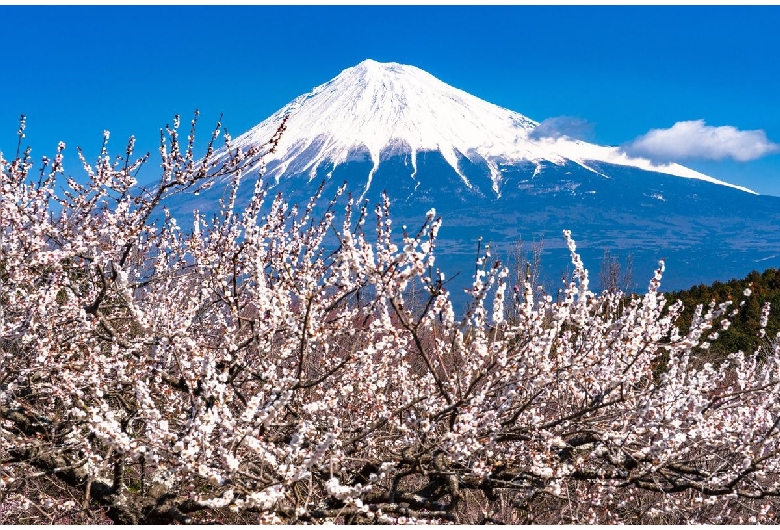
(615, 72)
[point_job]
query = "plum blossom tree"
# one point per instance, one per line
(262, 366)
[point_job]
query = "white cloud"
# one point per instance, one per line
(696, 139)
(563, 126)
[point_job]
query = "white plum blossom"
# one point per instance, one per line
(272, 362)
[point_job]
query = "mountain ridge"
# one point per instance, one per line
(706, 229)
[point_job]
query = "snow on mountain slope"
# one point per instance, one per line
(382, 109)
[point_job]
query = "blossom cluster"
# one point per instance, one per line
(270, 360)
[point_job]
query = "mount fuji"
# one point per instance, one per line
(490, 172)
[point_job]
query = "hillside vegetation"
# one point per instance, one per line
(744, 332)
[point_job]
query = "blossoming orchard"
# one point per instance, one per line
(267, 365)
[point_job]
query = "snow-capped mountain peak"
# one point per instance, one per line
(383, 109)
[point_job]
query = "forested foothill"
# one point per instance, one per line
(745, 332)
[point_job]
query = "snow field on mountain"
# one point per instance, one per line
(377, 109)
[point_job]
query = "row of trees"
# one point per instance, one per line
(243, 369)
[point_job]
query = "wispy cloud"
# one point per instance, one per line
(696, 139)
(563, 126)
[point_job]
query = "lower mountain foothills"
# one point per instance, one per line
(755, 327)
(704, 231)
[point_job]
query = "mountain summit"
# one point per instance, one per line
(379, 110)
